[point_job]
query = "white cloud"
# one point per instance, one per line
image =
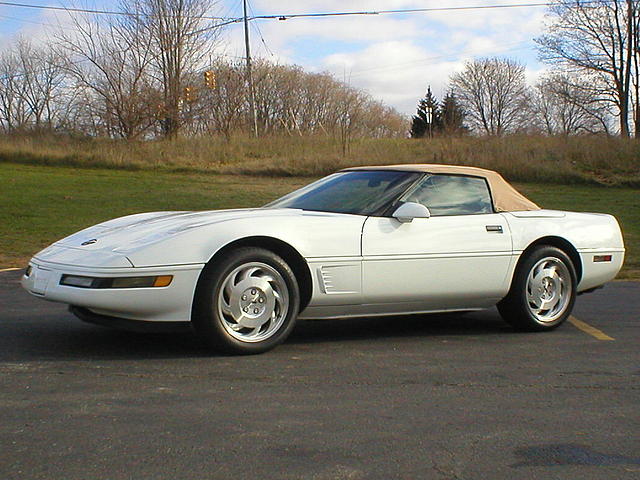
(351, 29)
(533, 74)
(396, 72)
(41, 26)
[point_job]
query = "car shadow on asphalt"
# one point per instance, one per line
(434, 325)
(56, 340)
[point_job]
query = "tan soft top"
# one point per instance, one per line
(505, 197)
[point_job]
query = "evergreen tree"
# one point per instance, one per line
(452, 115)
(423, 123)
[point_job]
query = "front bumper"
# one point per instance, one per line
(88, 316)
(157, 304)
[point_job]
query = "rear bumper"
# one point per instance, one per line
(595, 274)
(157, 304)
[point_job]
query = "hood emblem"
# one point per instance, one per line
(89, 242)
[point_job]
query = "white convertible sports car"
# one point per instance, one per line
(364, 241)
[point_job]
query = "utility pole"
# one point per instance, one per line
(252, 96)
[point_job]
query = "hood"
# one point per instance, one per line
(127, 233)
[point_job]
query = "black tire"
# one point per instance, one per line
(216, 327)
(519, 307)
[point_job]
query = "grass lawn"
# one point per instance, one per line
(39, 204)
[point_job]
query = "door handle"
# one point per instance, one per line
(494, 229)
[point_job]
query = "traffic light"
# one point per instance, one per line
(188, 94)
(210, 79)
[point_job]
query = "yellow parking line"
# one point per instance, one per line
(586, 328)
(8, 269)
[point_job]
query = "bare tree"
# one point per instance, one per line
(277, 96)
(317, 112)
(493, 92)
(351, 106)
(294, 102)
(600, 37)
(182, 35)
(43, 80)
(567, 105)
(32, 86)
(12, 110)
(635, 36)
(112, 60)
(224, 109)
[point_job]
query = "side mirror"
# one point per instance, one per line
(406, 212)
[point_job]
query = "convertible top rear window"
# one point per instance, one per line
(357, 192)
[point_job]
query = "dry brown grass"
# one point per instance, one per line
(591, 160)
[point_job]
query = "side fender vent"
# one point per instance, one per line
(340, 279)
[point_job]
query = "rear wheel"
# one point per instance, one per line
(246, 303)
(543, 291)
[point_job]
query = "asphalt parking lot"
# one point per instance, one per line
(449, 397)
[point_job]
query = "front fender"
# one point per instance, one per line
(312, 234)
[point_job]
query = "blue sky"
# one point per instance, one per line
(393, 57)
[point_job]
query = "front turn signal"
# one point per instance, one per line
(163, 281)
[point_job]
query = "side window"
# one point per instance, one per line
(452, 195)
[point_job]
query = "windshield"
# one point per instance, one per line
(363, 192)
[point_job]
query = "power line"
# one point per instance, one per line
(35, 22)
(218, 25)
(93, 11)
(287, 16)
(259, 32)
(228, 21)
(24, 20)
(65, 9)
(234, 6)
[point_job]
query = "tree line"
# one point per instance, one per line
(490, 96)
(592, 48)
(142, 75)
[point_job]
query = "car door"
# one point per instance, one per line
(458, 258)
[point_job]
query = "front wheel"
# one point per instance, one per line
(543, 291)
(246, 303)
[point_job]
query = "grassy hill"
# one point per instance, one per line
(574, 160)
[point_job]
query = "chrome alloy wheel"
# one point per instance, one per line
(549, 289)
(253, 302)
